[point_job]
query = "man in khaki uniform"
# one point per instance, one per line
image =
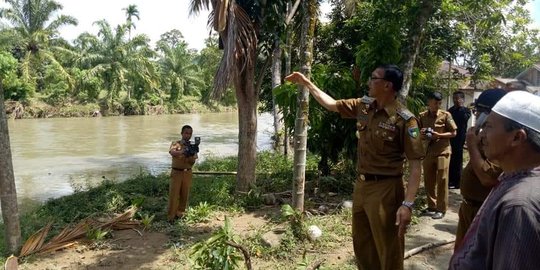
(437, 129)
(180, 175)
(479, 175)
(387, 132)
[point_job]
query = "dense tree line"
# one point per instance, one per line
(115, 69)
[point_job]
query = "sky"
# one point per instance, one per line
(160, 16)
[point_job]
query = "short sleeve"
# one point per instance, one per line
(173, 146)
(491, 169)
(348, 108)
(413, 147)
(450, 123)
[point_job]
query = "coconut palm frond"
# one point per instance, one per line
(35, 242)
(239, 49)
(196, 6)
(222, 10)
(70, 235)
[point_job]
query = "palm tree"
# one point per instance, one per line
(179, 70)
(8, 190)
(36, 39)
(236, 29)
(115, 60)
(131, 11)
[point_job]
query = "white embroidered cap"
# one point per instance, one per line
(522, 107)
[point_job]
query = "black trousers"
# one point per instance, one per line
(456, 161)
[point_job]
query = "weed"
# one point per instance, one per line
(296, 221)
(96, 234)
(199, 213)
(215, 253)
(146, 220)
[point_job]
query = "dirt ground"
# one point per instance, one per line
(130, 249)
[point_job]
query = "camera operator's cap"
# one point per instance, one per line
(489, 98)
(522, 107)
(436, 96)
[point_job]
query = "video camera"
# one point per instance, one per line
(192, 148)
(429, 132)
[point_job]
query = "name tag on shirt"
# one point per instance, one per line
(387, 126)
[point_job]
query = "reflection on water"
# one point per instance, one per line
(51, 156)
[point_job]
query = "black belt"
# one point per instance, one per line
(472, 203)
(182, 170)
(377, 177)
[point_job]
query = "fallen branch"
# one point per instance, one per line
(425, 247)
(244, 251)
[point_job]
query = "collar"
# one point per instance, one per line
(390, 109)
(436, 114)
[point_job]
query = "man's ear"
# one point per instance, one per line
(520, 137)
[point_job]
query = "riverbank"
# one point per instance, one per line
(35, 108)
(256, 221)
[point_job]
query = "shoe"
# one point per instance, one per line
(428, 212)
(438, 215)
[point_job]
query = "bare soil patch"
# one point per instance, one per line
(159, 250)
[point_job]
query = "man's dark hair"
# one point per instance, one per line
(533, 137)
(460, 94)
(436, 96)
(186, 127)
(393, 74)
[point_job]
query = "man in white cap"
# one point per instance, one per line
(505, 234)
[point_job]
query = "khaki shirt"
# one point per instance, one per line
(471, 187)
(181, 162)
(441, 123)
(385, 137)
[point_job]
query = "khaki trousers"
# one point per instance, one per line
(467, 212)
(436, 181)
(178, 193)
(375, 235)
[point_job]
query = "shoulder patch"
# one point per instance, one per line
(413, 132)
(404, 113)
(367, 100)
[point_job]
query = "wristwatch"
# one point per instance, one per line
(409, 205)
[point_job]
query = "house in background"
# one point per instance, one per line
(531, 77)
(462, 82)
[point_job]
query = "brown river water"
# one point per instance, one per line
(53, 156)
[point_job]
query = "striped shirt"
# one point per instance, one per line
(505, 234)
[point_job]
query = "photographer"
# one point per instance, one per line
(437, 127)
(183, 155)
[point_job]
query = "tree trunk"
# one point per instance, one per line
(302, 109)
(276, 81)
(8, 191)
(287, 56)
(246, 97)
(415, 37)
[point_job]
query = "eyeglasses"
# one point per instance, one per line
(376, 78)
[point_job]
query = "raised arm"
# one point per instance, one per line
(322, 98)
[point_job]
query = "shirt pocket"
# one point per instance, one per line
(439, 126)
(384, 140)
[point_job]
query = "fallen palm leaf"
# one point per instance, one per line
(35, 241)
(69, 235)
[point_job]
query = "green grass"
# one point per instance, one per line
(209, 195)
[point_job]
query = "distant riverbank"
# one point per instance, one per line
(34, 108)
